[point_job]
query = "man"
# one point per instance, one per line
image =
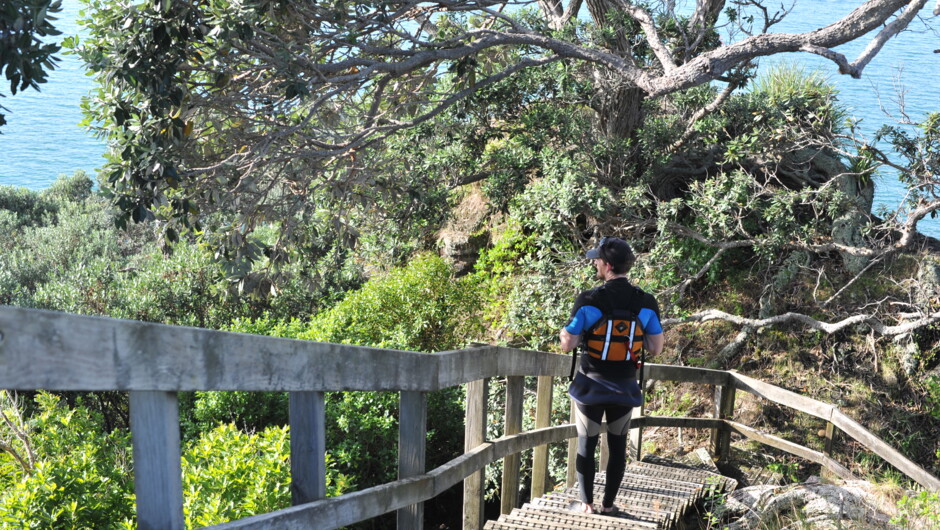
(602, 385)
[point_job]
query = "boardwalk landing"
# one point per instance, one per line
(651, 496)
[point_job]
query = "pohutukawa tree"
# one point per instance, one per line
(272, 111)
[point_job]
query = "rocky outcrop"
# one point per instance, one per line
(465, 234)
(853, 504)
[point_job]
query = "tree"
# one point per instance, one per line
(24, 57)
(226, 117)
(270, 109)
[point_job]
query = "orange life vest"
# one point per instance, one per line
(617, 336)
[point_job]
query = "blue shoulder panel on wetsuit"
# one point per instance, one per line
(588, 315)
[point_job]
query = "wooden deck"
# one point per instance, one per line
(651, 496)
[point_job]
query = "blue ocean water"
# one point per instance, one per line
(43, 140)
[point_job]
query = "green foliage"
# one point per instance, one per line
(416, 307)
(138, 50)
(229, 474)
(57, 240)
(82, 477)
(25, 59)
(251, 412)
(918, 147)
(933, 395)
(919, 510)
(420, 306)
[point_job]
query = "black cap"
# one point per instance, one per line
(613, 250)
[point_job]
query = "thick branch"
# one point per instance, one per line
(708, 66)
(892, 29)
(652, 35)
(23, 463)
(788, 318)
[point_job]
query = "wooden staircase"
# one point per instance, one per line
(652, 495)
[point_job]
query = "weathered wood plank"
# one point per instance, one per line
(474, 436)
(509, 495)
(307, 446)
(792, 448)
(885, 451)
(60, 351)
(571, 479)
(412, 436)
(724, 410)
(830, 437)
(783, 397)
(679, 421)
(543, 416)
(637, 423)
(158, 481)
(362, 505)
(685, 374)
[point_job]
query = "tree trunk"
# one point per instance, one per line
(619, 107)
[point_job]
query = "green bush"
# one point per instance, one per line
(419, 307)
(919, 510)
(251, 412)
(82, 475)
(229, 474)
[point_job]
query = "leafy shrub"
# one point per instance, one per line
(81, 478)
(251, 412)
(229, 474)
(919, 510)
(417, 307)
(420, 306)
(27, 207)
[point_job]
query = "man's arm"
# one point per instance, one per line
(568, 341)
(654, 343)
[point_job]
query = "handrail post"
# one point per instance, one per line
(572, 476)
(724, 410)
(543, 418)
(830, 437)
(474, 435)
(307, 446)
(158, 481)
(509, 496)
(636, 430)
(412, 450)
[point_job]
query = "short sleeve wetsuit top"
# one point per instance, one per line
(600, 382)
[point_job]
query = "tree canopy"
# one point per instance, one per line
(264, 106)
(338, 121)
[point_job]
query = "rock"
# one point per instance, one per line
(847, 230)
(928, 283)
(465, 234)
(825, 505)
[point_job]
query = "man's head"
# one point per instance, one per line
(612, 251)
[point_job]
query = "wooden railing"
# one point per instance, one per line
(58, 351)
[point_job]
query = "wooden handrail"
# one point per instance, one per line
(59, 351)
(372, 502)
(62, 351)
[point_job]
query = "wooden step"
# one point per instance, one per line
(651, 496)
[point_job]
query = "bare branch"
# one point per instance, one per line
(15, 428)
(710, 65)
(19, 459)
(652, 35)
(885, 34)
(788, 318)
